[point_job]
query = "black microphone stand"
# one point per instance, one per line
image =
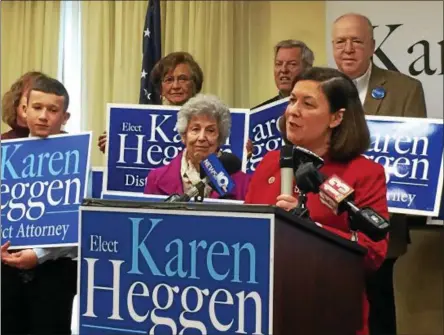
(301, 210)
(199, 197)
(353, 229)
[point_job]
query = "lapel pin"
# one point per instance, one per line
(271, 180)
(378, 93)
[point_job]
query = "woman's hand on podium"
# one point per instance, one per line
(286, 202)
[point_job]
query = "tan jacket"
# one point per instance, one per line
(404, 96)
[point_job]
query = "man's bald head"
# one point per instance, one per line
(353, 44)
(365, 21)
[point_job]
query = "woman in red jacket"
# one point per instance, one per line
(325, 116)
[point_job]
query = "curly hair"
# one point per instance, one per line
(11, 98)
(169, 62)
(205, 104)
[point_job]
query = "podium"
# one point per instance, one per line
(206, 268)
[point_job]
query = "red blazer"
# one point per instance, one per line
(364, 175)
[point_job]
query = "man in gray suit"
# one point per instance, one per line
(382, 92)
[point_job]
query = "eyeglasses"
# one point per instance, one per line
(182, 79)
(355, 43)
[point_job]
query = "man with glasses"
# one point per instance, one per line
(388, 93)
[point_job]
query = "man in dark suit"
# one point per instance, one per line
(388, 93)
(291, 57)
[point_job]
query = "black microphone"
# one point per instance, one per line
(302, 155)
(230, 162)
(287, 166)
(335, 193)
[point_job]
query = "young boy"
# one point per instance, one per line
(39, 284)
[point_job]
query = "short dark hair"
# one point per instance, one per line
(169, 62)
(50, 85)
(351, 137)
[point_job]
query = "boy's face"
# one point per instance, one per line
(45, 114)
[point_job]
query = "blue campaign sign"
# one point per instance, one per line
(411, 151)
(96, 182)
(43, 182)
(145, 271)
(264, 131)
(237, 141)
(144, 137)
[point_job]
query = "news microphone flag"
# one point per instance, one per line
(335, 192)
(218, 176)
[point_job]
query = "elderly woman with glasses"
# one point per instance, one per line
(204, 124)
(176, 78)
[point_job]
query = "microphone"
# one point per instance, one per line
(302, 155)
(214, 172)
(301, 158)
(287, 174)
(338, 195)
(290, 159)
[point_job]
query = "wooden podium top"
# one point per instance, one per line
(229, 207)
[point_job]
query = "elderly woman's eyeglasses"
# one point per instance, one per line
(182, 79)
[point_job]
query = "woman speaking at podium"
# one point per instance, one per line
(325, 116)
(204, 124)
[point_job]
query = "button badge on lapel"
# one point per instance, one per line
(378, 93)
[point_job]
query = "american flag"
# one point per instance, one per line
(151, 53)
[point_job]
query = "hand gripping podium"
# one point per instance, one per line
(206, 268)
